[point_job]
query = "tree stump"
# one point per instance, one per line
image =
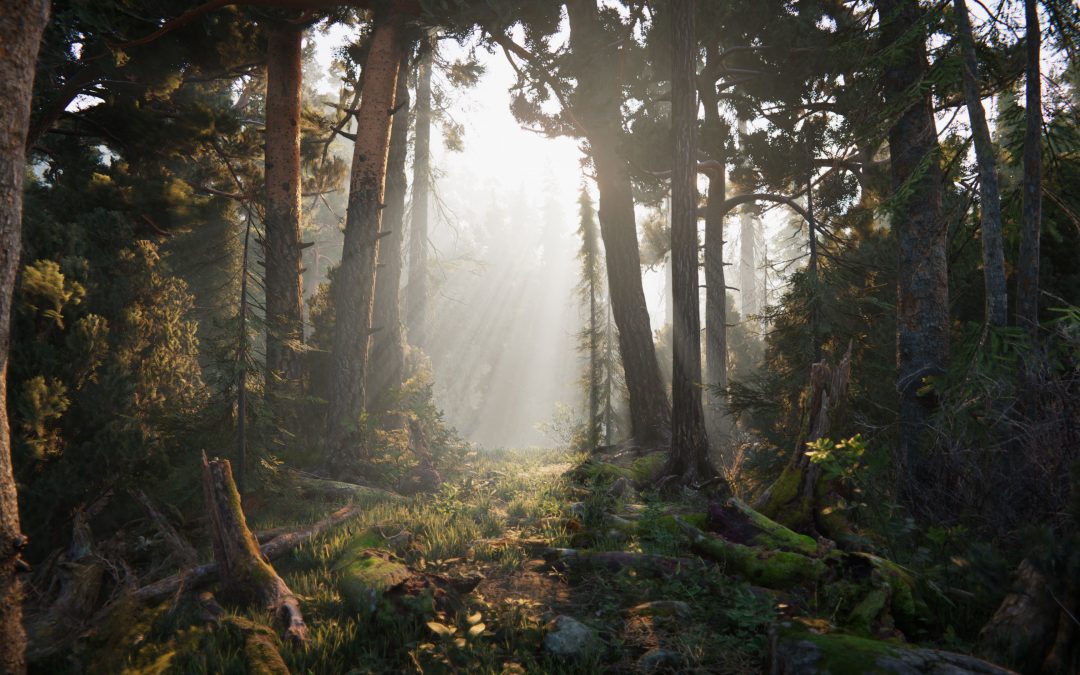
(799, 499)
(243, 571)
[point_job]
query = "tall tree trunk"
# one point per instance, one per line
(812, 266)
(748, 290)
(21, 25)
(284, 295)
(387, 342)
(689, 443)
(354, 285)
(989, 196)
(1027, 274)
(716, 349)
(922, 268)
(416, 302)
(599, 109)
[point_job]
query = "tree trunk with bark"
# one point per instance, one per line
(1027, 273)
(354, 285)
(416, 300)
(387, 341)
(243, 571)
(989, 196)
(21, 25)
(922, 270)
(689, 457)
(749, 299)
(715, 278)
(598, 107)
(284, 293)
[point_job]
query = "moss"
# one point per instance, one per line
(772, 569)
(840, 654)
(365, 577)
(261, 652)
(785, 505)
(774, 535)
(604, 472)
(647, 468)
(121, 635)
(872, 606)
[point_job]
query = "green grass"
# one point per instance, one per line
(504, 494)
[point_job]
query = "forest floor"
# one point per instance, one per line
(508, 530)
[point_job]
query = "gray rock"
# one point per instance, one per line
(661, 661)
(621, 487)
(569, 638)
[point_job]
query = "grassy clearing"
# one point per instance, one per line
(470, 528)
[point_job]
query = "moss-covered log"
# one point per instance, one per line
(870, 593)
(759, 565)
(244, 572)
(795, 648)
(736, 522)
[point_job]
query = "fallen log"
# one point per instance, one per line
(325, 486)
(760, 566)
(245, 573)
(208, 572)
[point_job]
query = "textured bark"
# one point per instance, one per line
(387, 342)
(989, 196)
(284, 294)
(243, 570)
(416, 300)
(599, 108)
(689, 443)
(1027, 273)
(354, 285)
(922, 270)
(715, 282)
(21, 25)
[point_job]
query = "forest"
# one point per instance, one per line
(540, 336)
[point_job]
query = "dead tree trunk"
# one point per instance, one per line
(244, 571)
(284, 295)
(689, 457)
(21, 25)
(354, 285)
(798, 499)
(387, 341)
